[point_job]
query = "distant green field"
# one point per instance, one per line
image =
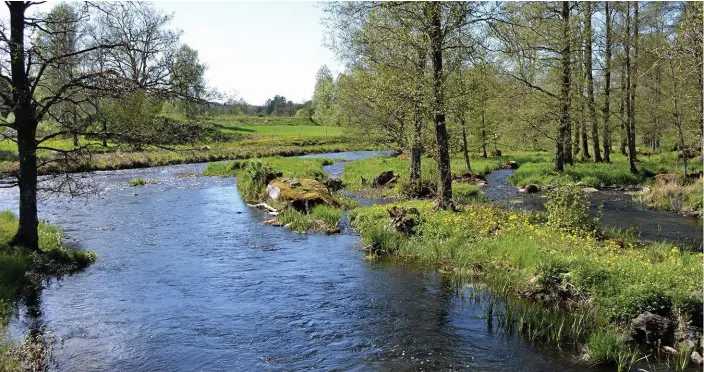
(284, 130)
(229, 120)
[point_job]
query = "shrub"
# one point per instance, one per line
(252, 181)
(137, 182)
(568, 208)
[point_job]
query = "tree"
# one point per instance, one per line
(186, 79)
(539, 34)
(631, 83)
(565, 91)
(590, 80)
(607, 84)
(105, 64)
(324, 96)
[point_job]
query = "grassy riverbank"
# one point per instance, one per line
(683, 196)
(254, 174)
(21, 270)
(530, 255)
(616, 173)
(237, 137)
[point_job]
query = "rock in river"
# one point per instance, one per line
(302, 193)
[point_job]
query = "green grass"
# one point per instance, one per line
(288, 166)
(355, 171)
(237, 120)
(616, 173)
(249, 137)
(465, 192)
(507, 249)
(322, 218)
(678, 196)
(139, 181)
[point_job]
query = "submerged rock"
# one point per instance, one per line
(302, 194)
(697, 359)
(529, 189)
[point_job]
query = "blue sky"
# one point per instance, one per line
(257, 49)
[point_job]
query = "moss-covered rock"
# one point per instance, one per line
(301, 193)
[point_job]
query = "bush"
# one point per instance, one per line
(568, 209)
(137, 182)
(253, 179)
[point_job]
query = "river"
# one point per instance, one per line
(188, 279)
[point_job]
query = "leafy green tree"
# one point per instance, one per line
(324, 97)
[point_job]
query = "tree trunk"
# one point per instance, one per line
(444, 192)
(483, 137)
(26, 122)
(104, 125)
(569, 154)
(607, 85)
(565, 92)
(465, 150)
(75, 125)
(677, 117)
(632, 81)
(590, 81)
(622, 111)
(582, 119)
(416, 145)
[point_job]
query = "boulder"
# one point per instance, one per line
(697, 359)
(385, 178)
(302, 194)
(652, 329)
(529, 189)
(589, 190)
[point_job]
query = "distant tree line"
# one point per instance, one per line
(277, 106)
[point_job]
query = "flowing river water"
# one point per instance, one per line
(188, 279)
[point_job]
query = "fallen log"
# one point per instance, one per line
(264, 206)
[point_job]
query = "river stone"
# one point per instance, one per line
(697, 359)
(302, 193)
(652, 329)
(589, 190)
(531, 189)
(273, 191)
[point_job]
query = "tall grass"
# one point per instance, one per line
(322, 218)
(681, 196)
